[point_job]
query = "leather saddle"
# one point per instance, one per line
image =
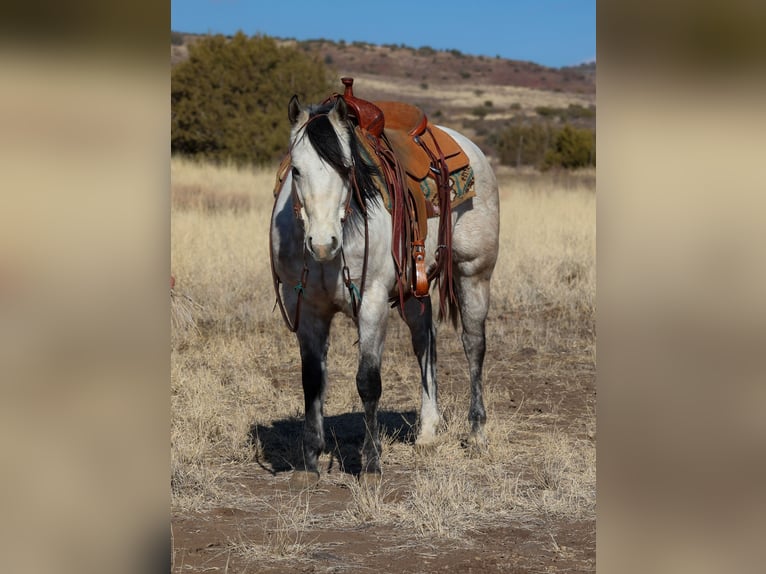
(415, 141)
(410, 134)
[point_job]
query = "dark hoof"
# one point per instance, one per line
(476, 444)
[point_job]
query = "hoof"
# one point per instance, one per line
(425, 446)
(427, 441)
(304, 479)
(476, 443)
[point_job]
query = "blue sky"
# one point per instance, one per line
(549, 32)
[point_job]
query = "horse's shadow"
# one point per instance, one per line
(278, 447)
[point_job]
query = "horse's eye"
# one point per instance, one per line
(296, 172)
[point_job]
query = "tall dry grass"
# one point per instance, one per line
(219, 247)
(546, 270)
(239, 370)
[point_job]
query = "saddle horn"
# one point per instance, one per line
(369, 116)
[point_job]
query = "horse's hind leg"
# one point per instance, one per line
(473, 295)
(313, 338)
(419, 319)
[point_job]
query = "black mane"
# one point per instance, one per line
(325, 142)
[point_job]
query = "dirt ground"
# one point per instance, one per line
(546, 390)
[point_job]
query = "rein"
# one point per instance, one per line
(356, 294)
(443, 268)
(299, 288)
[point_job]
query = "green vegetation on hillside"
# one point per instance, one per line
(572, 148)
(572, 112)
(229, 98)
(544, 145)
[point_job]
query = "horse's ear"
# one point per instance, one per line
(341, 109)
(294, 110)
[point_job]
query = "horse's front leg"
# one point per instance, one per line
(372, 321)
(313, 338)
(420, 321)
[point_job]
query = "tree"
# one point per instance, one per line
(229, 99)
(522, 144)
(572, 148)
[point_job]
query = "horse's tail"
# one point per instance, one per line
(450, 311)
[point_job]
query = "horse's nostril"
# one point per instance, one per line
(334, 242)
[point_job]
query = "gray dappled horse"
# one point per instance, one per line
(318, 232)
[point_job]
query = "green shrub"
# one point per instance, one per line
(544, 146)
(229, 98)
(575, 111)
(572, 148)
(572, 112)
(523, 144)
(547, 111)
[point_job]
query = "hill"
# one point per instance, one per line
(477, 95)
(417, 66)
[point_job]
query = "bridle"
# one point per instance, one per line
(356, 293)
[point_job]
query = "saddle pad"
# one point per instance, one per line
(461, 189)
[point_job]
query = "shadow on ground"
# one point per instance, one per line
(280, 443)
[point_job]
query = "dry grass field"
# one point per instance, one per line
(527, 504)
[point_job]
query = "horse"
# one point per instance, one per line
(330, 235)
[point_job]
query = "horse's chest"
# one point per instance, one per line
(328, 283)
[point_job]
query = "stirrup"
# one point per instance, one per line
(420, 279)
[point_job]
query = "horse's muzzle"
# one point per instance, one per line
(323, 251)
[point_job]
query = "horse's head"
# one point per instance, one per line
(321, 169)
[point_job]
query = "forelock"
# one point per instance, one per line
(324, 139)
